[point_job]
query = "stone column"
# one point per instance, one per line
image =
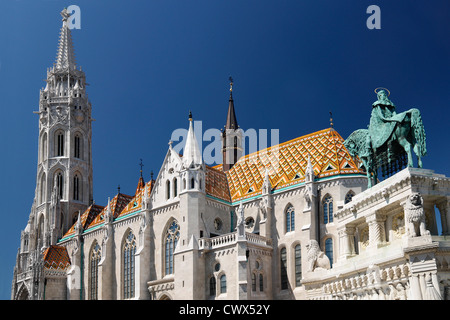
(346, 241)
(143, 254)
(443, 207)
(377, 233)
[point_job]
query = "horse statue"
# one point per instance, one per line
(389, 137)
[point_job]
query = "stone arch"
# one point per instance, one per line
(22, 293)
(165, 296)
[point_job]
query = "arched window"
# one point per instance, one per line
(298, 265)
(327, 204)
(223, 284)
(175, 187)
(253, 281)
(212, 286)
(283, 269)
(184, 184)
(329, 250)
(43, 188)
(171, 240)
(77, 146)
(60, 144)
(96, 254)
(60, 184)
(349, 196)
(167, 190)
(129, 250)
(261, 282)
(200, 184)
(76, 187)
(290, 219)
(192, 183)
(44, 147)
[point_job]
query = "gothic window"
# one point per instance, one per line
(76, 187)
(253, 282)
(77, 146)
(129, 250)
(184, 184)
(290, 219)
(298, 265)
(327, 204)
(349, 196)
(59, 144)
(167, 189)
(283, 269)
(223, 284)
(212, 286)
(43, 188)
(200, 184)
(261, 282)
(192, 183)
(175, 187)
(93, 265)
(171, 240)
(44, 147)
(329, 250)
(60, 184)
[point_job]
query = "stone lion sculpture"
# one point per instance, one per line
(316, 257)
(415, 216)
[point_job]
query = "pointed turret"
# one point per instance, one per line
(65, 58)
(191, 153)
(231, 116)
(231, 136)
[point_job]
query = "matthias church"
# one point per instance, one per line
(297, 220)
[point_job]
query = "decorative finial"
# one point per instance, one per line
(141, 165)
(65, 14)
(190, 115)
(331, 119)
(231, 83)
(118, 188)
(151, 175)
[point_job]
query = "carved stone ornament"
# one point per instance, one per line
(415, 216)
(317, 259)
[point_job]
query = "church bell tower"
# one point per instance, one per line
(231, 136)
(64, 171)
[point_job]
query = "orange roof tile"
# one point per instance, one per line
(216, 184)
(86, 218)
(136, 202)
(56, 257)
(287, 162)
(117, 204)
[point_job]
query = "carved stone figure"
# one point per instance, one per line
(316, 258)
(415, 216)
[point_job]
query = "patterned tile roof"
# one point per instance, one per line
(216, 184)
(86, 218)
(136, 202)
(117, 204)
(56, 258)
(287, 162)
(121, 205)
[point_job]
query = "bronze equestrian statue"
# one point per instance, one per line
(389, 140)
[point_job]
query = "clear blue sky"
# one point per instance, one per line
(149, 62)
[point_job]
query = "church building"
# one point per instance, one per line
(297, 220)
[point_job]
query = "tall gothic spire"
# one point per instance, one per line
(65, 58)
(191, 153)
(231, 117)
